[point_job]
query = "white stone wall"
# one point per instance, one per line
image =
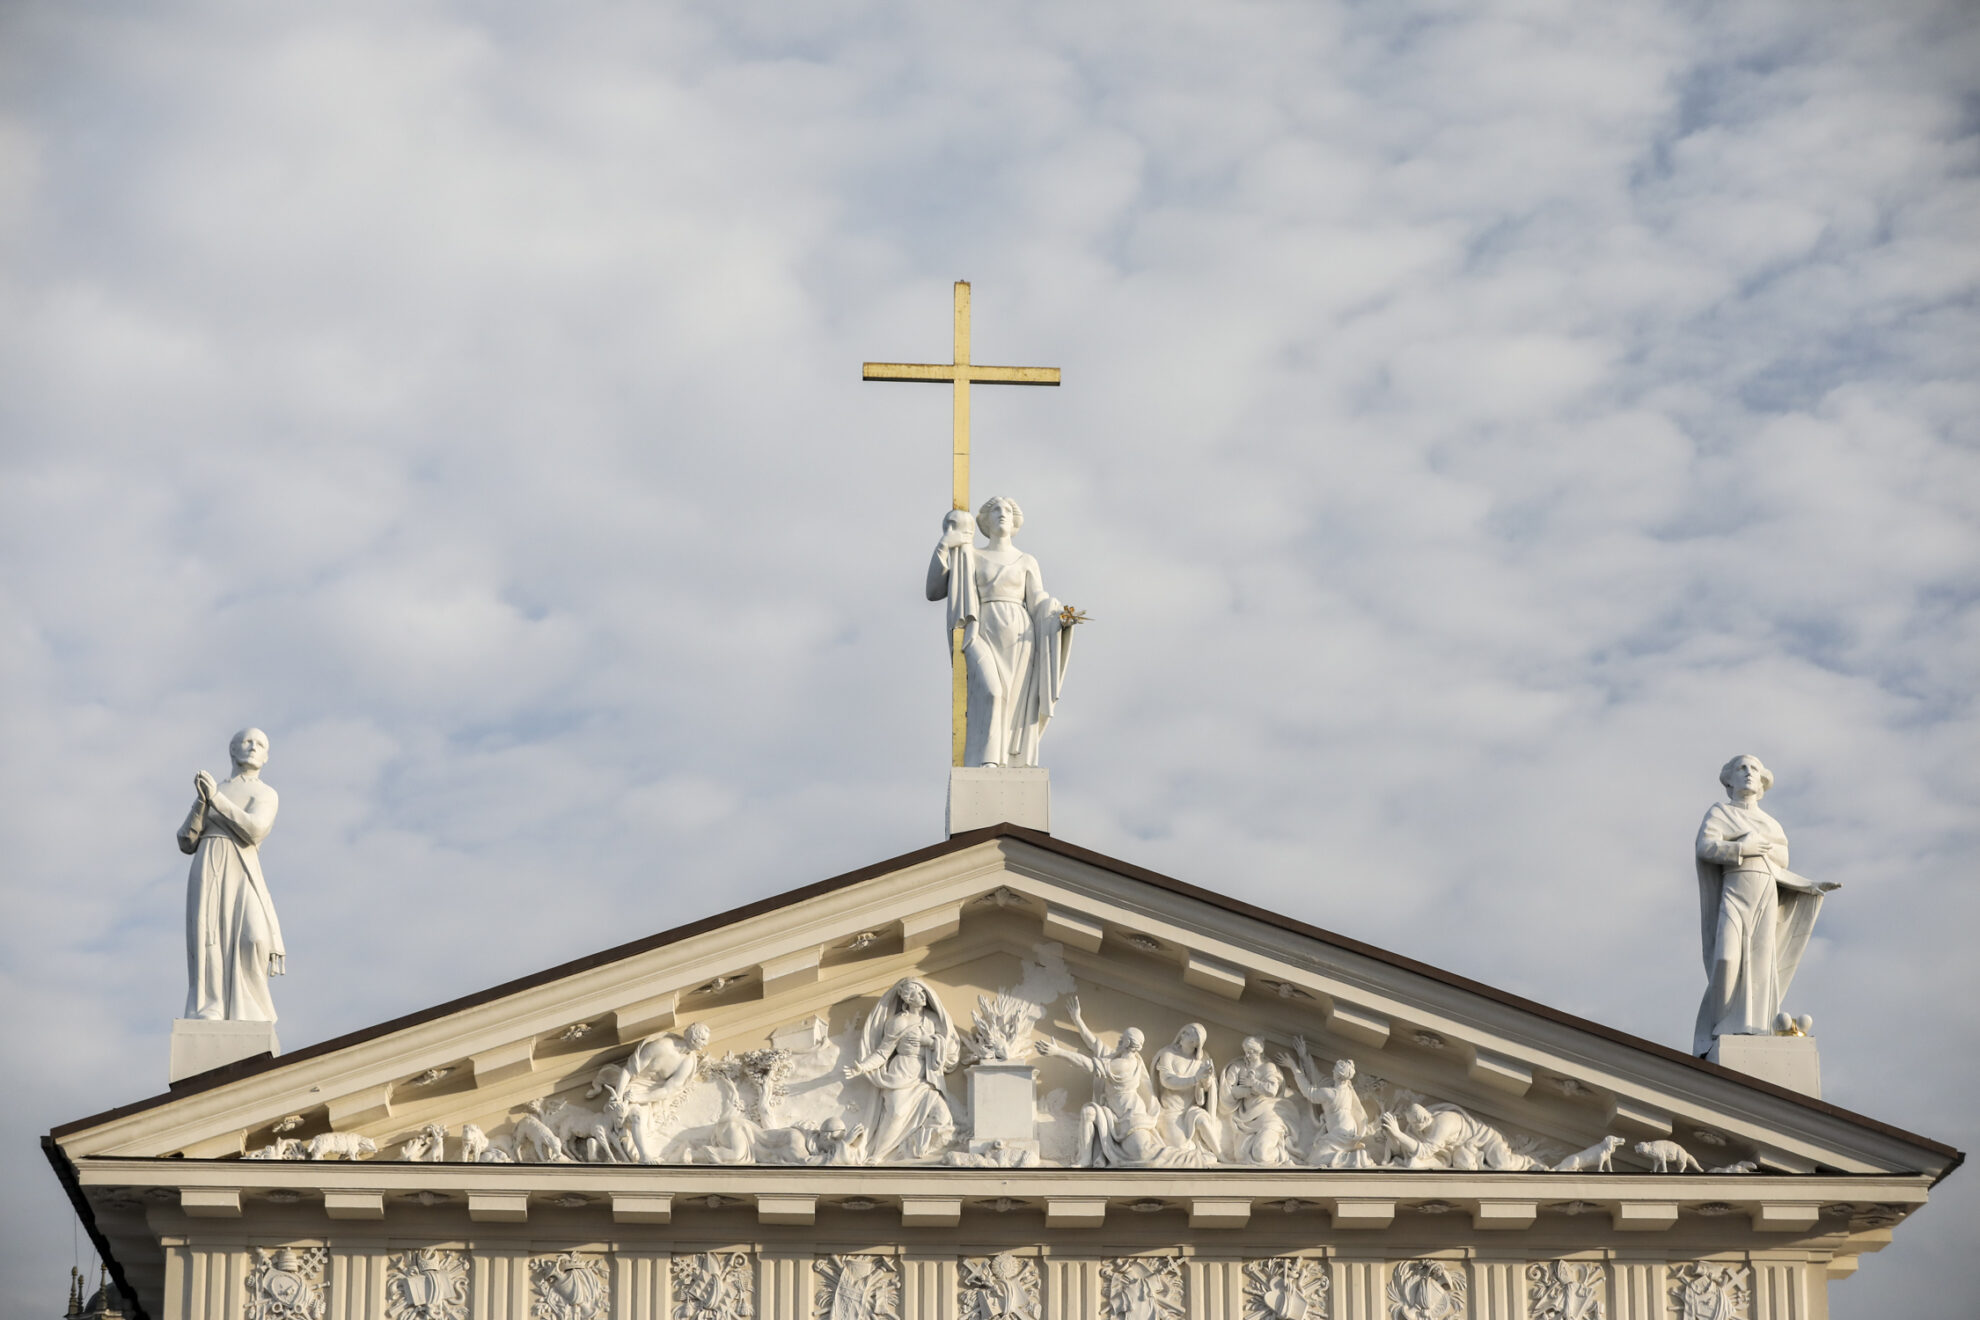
(354, 1280)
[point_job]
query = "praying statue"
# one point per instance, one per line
(233, 942)
(1755, 914)
(1016, 636)
(908, 1044)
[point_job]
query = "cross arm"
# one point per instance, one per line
(944, 373)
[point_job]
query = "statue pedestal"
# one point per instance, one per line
(1002, 1107)
(200, 1044)
(991, 795)
(1789, 1061)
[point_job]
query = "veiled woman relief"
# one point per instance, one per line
(908, 1045)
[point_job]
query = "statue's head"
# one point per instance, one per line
(1254, 1050)
(1416, 1117)
(1344, 1070)
(912, 994)
(249, 748)
(1131, 1041)
(1191, 1038)
(1746, 774)
(696, 1035)
(1000, 512)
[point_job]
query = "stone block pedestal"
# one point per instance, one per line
(1002, 1107)
(989, 795)
(199, 1044)
(1789, 1061)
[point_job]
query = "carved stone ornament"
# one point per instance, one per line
(1143, 1288)
(427, 1284)
(1565, 1290)
(859, 1287)
(1285, 1288)
(567, 1286)
(1426, 1290)
(285, 1284)
(1000, 1287)
(1703, 1290)
(714, 1285)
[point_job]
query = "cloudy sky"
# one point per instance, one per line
(1479, 422)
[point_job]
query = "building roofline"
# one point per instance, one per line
(264, 1063)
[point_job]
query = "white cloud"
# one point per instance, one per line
(1479, 422)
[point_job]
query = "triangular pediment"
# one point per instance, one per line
(792, 982)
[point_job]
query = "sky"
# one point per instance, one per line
(1479, 422)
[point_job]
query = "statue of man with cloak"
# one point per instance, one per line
(1756, 914)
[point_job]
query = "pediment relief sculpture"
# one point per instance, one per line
(891, 1080)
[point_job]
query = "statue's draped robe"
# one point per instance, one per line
(1755, 920)
(231, 931)
(905, 1054)
(1017, 658)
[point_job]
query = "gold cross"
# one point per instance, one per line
(960, 373)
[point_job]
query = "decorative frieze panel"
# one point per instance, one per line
(285, 1284)
(1000, 1287)
(1143, 1288)
(568, 1286)
(859, 1287)
(1285, 1288)
(427, 1284)
(1708, 1290)
(1566, 1290)
(714, 1285)
(1427, 1290)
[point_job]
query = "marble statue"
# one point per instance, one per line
(1016, 637)
(1186, 1077)
(348, 1145)
(233, 941)
(1448, 1138)
(1253, 1086)
(908, 1045)
(1342, 1142)
(1119, 1128)
(1664, 1155)
(1756, 915)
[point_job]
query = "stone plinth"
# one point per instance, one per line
(1789, 1061)
(1002, 1107)
(199, 1045)
(990, 795)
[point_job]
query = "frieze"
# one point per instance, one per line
(1000, 1287)
(285, 1284)
(1707, 1290)
(427, 1284)
(1143, 1288)
(1426, 1290)
(858, 1287)
(714, 1285)
(1566, 1290)
(1285, 1288)
(568, 1286)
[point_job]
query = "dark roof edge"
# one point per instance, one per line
(268, 1063)
(65, 1172)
